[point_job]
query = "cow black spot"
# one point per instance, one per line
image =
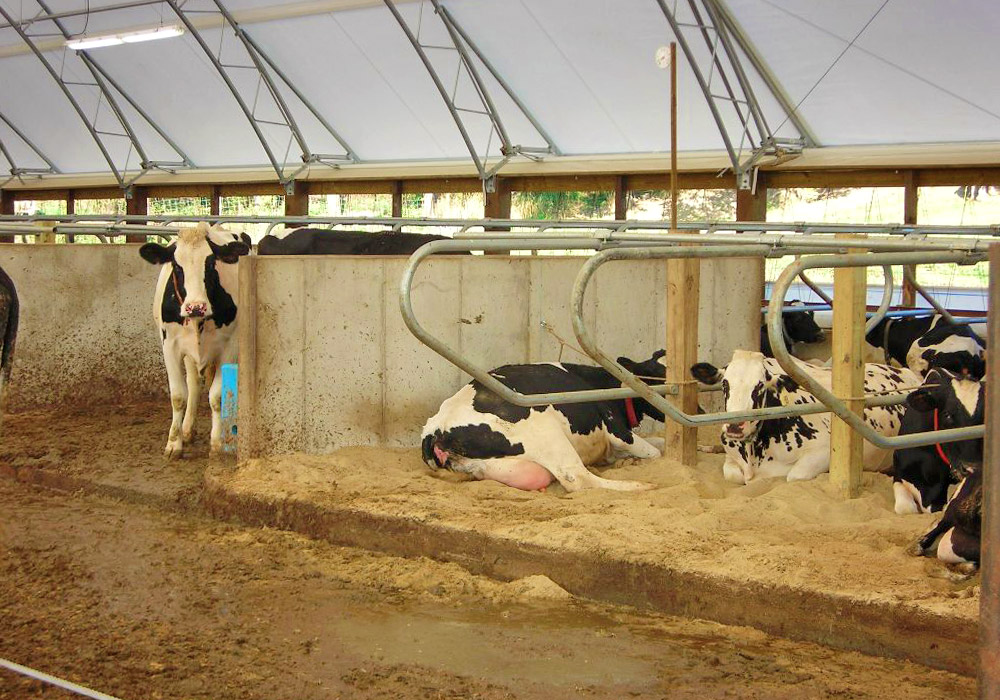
(472, 441)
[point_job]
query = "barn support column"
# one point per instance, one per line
(911, 191)
(297, 202)
(397, 199)
(7, 209)
(989, 599)
(215, 204)
(496, 205)
(621, 197)
(136, 204)
(849, 297)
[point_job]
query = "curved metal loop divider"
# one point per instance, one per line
(587, 342)
(824, 395)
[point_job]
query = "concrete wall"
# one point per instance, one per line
(86, 334)
(336, 366)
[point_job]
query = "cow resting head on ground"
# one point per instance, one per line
(478, 433)
(958, 402)
(796, 447)
(194, 308)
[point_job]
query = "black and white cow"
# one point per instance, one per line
(958, 401)
(9, 315)
(796, 447)
(920, 475)
(923, 342)
(194, 309)
(314, 241)
(478, 433)
(796, 326)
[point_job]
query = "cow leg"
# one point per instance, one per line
(732, 471)
(556, 454)
(193, 392)
(922, 545)
(809, 466)
(640, 447)
(178, 400)
(213, 377)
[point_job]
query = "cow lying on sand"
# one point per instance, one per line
(478, 433)
(796, 326)
(958, 401)
(194, 310)
(923, 342)
(315, 241)
(797, 447)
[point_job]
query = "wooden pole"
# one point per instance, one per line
(682, 313)
(911, 192)
(496, 205)
(751, 205)
(846, 446)
(137, 205)
(989, 596)
(621, 198)
(397, 199)
(215, 203)
(7, 209)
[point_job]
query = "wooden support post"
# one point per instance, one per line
(751, 205)
(989, 597)
(71, 209)
(297, 203)
(911, 193)
(683, 278)
(846, 446)
(621, 198)
(137, 205)
(7, 209)
(496, 205)
(397, 199)
(215, 203)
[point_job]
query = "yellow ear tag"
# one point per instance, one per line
(786, 398)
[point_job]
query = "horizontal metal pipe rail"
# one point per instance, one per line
(588, 344)
(824, 395)
(709, 227)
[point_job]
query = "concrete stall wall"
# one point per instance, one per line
(86, 332)
(336, 366)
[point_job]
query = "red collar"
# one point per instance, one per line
(937, 446)
(633, 422)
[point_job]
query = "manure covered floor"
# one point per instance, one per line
(790, 559)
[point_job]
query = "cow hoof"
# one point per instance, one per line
(966, 569)
(215, 450)
(174, 450)
(189, 435)
(915, 549)
(631, 486)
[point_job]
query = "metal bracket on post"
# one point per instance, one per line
(257, 62)
(485, 107)
(724, 43)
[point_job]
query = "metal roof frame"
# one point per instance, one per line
(18, 172)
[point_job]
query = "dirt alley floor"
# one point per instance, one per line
(153, 602)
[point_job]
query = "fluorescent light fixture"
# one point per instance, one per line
(98, 41)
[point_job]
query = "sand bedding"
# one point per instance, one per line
(794, 534)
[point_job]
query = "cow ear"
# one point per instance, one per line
(657, 355)
(628, 364)
(157, 254)
(231, 252)
(245, 237)
(923, 399)
(706, 373)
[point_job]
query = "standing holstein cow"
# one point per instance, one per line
(478, 433)
(797, 447)
(956, 401)
(194, 310)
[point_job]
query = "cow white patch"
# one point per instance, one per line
(908, 499)
(967, 392)
(946, 550)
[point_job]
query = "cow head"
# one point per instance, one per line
(194, 279)
(801, 326)
(959, 402)
(749, 381)
(651, 371)
(954, 348)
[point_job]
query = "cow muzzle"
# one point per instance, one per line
(738, 431)
(195, 309)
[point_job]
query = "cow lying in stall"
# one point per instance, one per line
(314, 241)
(923, 342)
(478, 433)
(957, 401)
(195, 314)
(10, 312)
(796, 447)
(796, 327)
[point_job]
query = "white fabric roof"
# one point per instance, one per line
(922, 71)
